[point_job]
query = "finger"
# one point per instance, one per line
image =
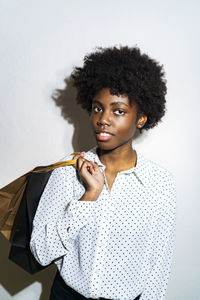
(79, 161)
(86, 166)
(95, 166)
(79, 155)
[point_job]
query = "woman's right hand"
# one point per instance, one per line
(92, 177)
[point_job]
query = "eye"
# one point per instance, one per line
(119, 112)
(96, 109)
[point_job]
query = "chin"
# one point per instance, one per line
(106, 146)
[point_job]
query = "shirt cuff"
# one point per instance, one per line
(77, 215)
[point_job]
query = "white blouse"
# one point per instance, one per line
(117, 247)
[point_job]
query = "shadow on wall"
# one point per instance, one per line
(83, 137)
(12, 277)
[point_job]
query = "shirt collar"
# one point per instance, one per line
(140, 171)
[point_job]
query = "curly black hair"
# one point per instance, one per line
(125, 71)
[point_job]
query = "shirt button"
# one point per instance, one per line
(97, 271)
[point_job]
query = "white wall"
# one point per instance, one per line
(41, 41)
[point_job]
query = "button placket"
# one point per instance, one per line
(101, 246)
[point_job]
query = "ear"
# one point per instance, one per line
(141, 121)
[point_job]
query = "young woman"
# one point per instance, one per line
(108, 223)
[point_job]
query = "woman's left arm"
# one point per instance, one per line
(156, 284)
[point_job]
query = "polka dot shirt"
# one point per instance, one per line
(117, 247)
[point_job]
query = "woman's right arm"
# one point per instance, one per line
(58, 219)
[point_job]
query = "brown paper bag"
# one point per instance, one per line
(11, 196)
(18, 204)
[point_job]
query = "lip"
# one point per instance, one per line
(104, 131)
(104, 137)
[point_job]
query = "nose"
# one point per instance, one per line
(104, 119)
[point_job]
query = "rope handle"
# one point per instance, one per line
(56, 165)
(67, 162)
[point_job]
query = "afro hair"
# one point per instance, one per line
(125, 71)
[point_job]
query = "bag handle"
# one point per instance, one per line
(56, 165)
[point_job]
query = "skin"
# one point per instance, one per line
(116, 115)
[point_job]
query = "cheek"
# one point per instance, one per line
(127, 127)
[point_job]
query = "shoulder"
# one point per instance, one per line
(64, 171)
(90, 155)
(155, 171)
(159, 180)
(70, 169)
(67, 157)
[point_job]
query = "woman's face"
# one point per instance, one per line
(114, 120)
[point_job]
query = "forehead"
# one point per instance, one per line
(105, 97)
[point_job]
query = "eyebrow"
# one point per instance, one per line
(111, 104)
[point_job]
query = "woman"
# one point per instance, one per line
(108, 224)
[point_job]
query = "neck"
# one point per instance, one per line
(119, 159)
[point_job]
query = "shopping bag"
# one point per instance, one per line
(18, 204)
